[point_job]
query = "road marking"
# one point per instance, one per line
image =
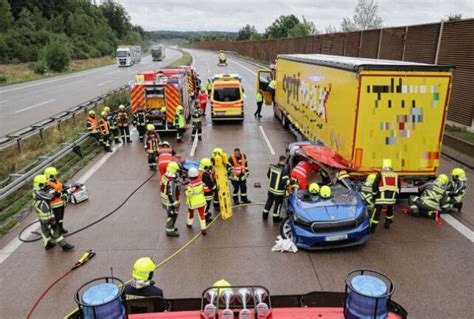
(469, 234)
(4, 101)
(103, 83)
(36, 105)
(194, 60)
(194, 147)
(111, 72)
(267, 141)
(246, 68)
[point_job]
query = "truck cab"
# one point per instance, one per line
(158, 53)
(124, 56)
(227, 98)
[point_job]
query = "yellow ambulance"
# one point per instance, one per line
(227, 98)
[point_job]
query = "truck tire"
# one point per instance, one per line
(284, 121)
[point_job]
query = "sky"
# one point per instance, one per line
(225, 15)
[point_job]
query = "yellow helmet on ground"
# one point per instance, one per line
(150, 127)
(371, 178)
(91, 112)
(459, 173)
(104, 114)
(39, 181)
(143, 269)
(443, 179)
(387, 163)
(325, 191)
(106, 109)
(121, 107)
(205, 163)
(313, 188)
(172, 167)
(50, 172)
(217, 151)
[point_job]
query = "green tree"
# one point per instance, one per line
(246, 32)
(6, 18)
(302, 29)
(117, 17)
(56, 55)
(366, 16)
(453, 17)
(281, 26)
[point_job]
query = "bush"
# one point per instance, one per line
(3, 79)
(39, 67)
(57, 56)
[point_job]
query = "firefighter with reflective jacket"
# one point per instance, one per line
(367, 193)
(170, 197)
(197, 124)
(152, 141)
(209, 87)
(386, 185)
(279, 180)
(239, 172)
(429, 202)
(42, 197)
(456, 191)
(93, 126)
(113, 125)
(104, 131)
(142, 284)
(58, 202)
(202, 99)
(122, 119)
(139, 121)
(179, 122)
(195, 199)
(165, 156)
(210, 187)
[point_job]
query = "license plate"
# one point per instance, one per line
(335, 238)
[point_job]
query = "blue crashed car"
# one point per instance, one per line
(314, 223)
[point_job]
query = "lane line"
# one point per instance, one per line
(104, 83)
(466, 232)
(4, 101)
(194, 147)
(36, 105)
(243, 66)
(111, 72)
(194, 60)
(267, 141)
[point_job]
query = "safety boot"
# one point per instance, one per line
(265, 216)
(49, 245)
(68, 247)
(209, 218)
(277, 219)
(387, 224)
(204, 232)
(62, 230)
(172, 232)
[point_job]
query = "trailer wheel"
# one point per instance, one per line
(284, 121)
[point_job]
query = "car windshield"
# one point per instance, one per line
(122, 53)
(227, 94)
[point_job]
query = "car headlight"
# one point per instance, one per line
(302, 221)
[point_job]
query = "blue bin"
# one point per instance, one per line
(367, 298)
(103, 301)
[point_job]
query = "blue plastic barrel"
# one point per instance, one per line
(367, 298)
(103, 301)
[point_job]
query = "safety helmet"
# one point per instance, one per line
(143, 269)
(193, 172)
(325, 191)
(314, 188)
(150, 127)
(371, 178)
(103, 113)
(106, 109)
(91, 112)
(205, 163)
(121, 107)
(163, 110)
(203, 89)
(218, 151)
(459, 173)
(442, 178)
(50, 172)
(179, 108)
(342, 174)
(172, 167)
(39, 181)
(165, 144)
(222, 283)
(387, 163)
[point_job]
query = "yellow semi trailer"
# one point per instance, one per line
(366, 109)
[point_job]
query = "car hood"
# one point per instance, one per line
(341, 207)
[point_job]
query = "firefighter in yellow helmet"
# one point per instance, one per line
(367, 193)
(152, 143)
(456, 191)
(111, 118)
(58, 202)
(170, 197)
(140, 120)
(142, 284)
(195, 199)
(104, 130)
(179, 122)
(42, 197)
(123, 124)
(93, 126)
(210, 188)
(432, 194)
(386, 186)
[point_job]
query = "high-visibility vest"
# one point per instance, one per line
(165, 156)
(179, 120)
(164, 185)
(432, 195)
(367, 194)
(41, 203)
(104, 126)
(259, 97)
(239, 169)
(272, 84)
(122, 117)
(151, 142)
(58, 187)
(388, 182)
(92, 124)
(209, 86)
(195, 194)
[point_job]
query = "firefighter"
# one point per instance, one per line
(209, 87)
(259, 99)
(300, 174)
(325, 192)
(202, 99)
(432, 195)
(139, 121)
(195, 200)
(456, 191)
(170, 197)
(367, 193)
(151, 146)
(279, 179)
(113, 125)
(165, 156)
(197, 124)
(93, 126)
(58, 202)
(122, 119)
(42, 198)
(239, 172)
(142, 284)
(386, 185)
(179, 122)
(210, 187)
(105, 131)
(271, 89)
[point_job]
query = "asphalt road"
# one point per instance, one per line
(24, 104)
(430, 264)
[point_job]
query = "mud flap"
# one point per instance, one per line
(223, 186)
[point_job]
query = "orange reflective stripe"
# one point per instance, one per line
(92, 121)
(58, 187)
(104, 126)
(239, 168)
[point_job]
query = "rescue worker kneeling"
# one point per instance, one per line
(170, 197)
(142, 284)
(42, 197)
(456, 191)
(195, 200)
(279, 179)
(432, 195)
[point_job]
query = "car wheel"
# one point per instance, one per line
(285, 229)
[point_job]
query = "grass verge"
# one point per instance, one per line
(460, 132)
(18, 73)
(186, 59)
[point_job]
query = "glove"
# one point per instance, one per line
(52, 221)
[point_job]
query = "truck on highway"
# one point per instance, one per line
(158, 53)
(159, 92)
(227, 98)
(128, 55)
(365, 109)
